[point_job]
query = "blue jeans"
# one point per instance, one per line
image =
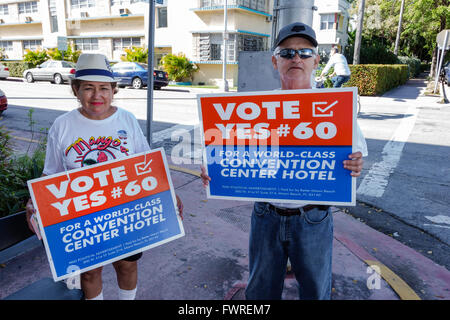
(338, 81)
(307, 240)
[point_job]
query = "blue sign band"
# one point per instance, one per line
(92, 239)
(307, 173)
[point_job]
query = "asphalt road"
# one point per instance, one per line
(407, 172)
(405, 185)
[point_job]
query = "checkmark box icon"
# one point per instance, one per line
(325, 111)
(143, 168)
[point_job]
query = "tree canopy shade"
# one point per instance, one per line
(422, 21)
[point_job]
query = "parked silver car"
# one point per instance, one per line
(51, 70)
(4, 71)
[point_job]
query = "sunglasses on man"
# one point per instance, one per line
(289, 53)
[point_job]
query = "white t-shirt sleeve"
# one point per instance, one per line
(361, 144)
(140, 141)
(54, 155)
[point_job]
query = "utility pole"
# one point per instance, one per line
(359, 32)
(259, 63)
(399, 29)
(150, 46)
(275, 14)
(441, 59)
(225, 38)
(289, 11)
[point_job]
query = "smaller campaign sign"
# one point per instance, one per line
(95, 215)
(280, 146)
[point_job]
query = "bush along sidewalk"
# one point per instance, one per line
(32, 59)
(15, 171)
(376, 79)
(178, 67)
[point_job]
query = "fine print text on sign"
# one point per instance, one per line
(99, 214)
(281, 146)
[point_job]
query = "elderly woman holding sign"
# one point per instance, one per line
(96, 132)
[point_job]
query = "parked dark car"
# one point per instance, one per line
(135, 74)
(3, 102)
(55, 71)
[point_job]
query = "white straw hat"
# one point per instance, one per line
(94, 67)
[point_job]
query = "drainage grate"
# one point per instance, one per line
(239, 216)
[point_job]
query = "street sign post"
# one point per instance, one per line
(61, 43)
(443, 43)
(151, 49)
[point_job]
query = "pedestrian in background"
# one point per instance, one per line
(341, 72)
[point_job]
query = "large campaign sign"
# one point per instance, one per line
(280, 146)
(95, 215)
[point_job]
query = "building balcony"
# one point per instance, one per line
(332, 6)
(85, 16)
(14, 23)
(208, 46)
(254, 6)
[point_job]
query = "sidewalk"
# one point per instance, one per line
(211, 261)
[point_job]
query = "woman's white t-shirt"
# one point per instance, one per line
(75, 141)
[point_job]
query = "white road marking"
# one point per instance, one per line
(439, 219)
(375, 182)
(436, 225)
(189, 146)
(167, 133)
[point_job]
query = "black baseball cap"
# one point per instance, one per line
(296, 29)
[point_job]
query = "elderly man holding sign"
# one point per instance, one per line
(300, 232)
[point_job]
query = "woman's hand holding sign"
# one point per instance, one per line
(30, 211)
(205, 178)
(180, 206)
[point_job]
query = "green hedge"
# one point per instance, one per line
(16, 170)
(376, 79)
(413, 64)
(425, 67)
(16, 68)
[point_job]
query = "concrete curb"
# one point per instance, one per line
(426, 278)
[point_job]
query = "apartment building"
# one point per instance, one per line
(330, 21)
(192, 27)
(105, 26)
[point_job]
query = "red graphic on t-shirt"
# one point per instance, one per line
(97, 150)
(102, 157)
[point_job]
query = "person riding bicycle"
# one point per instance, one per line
(341, 69)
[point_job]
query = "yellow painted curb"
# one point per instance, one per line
(25, 139)
(400, 287)
(188, 171)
